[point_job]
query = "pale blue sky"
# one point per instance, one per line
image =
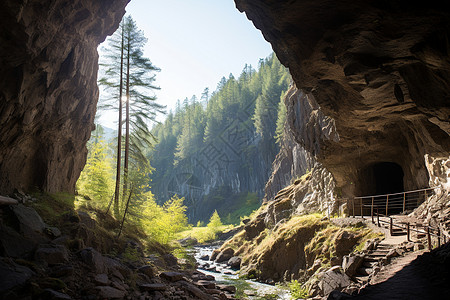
(195, 43)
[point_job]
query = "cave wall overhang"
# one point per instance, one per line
(379, 69)
(48, 88)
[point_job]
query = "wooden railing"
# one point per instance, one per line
(426, 230)
(381, 206)
(389, 203)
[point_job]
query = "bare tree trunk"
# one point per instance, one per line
(127, 122)
(119, 133)
(125, 212)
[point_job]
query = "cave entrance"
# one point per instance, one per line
(388, 178)
(380, 179)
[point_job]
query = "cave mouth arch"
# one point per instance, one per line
(388, 178)
(381, 178)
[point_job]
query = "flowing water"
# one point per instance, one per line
(250, 289)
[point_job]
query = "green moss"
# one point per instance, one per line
(297, 290)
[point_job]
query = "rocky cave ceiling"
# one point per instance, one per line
(380, 69)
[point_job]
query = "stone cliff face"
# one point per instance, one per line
(378, 70)
(48, 89)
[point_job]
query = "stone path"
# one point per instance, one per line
(417, 275)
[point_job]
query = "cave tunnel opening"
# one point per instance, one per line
(388, 178)
(379, 179)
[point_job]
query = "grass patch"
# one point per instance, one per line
(202, 234)
(54, 207)
(297, 290)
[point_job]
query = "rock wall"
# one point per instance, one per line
(48, 88)
(306, 127)
(379, 70)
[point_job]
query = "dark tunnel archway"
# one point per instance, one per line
(381, 178)
(388, 178)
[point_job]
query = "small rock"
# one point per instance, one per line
(118, 275)
(234, 263)
(54, 295)
(204, 257)
(225, 255)
(418, 246)
(101, 279)
(152, 287)
(109, 292)
(61, 271)
(170, 260)
(171, 276)
(52, 231)
(195, 291)
(119, 286)
(227, 288)
(392, 253)
(206, 284)
(147, 270)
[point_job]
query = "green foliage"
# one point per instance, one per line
(297, 290)
(131, 254)
(214, 222)
(96, 179)
(163, 222)
(281, 120)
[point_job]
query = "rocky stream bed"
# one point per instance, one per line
(224, 274)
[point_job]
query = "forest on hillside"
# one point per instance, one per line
(217, 151)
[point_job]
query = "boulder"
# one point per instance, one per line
(188, 241)
(345, 242)
(332, 279)
(101, 279)
(351, 263)
(93, 259)
(171, 276)
(52, 254)
(12, 275)
(234, 263)
(254, 228)
(109, 292)
(30, 222)
(13, 244)
(225, 255)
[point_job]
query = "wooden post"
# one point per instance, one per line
(408, 232)
(362, 216)
(429, 238)
(378, 218)
(439, 236)
(404, 202)
(391, 226)
(387, 204)
(353, 204)
(371, 212)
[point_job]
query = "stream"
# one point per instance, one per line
(247, 289)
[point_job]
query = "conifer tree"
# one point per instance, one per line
(124, 56)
